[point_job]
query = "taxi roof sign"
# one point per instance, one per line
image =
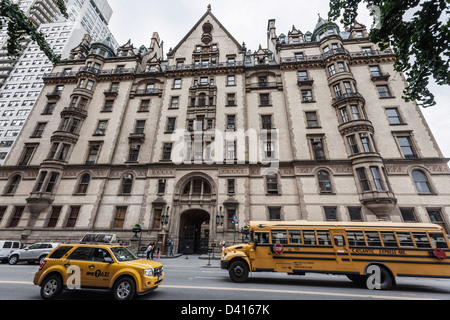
(99, 238)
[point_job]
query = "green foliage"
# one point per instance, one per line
(420, 42)
(19, 28)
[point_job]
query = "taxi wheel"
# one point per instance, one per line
(238, 271)
(51, 287)
(124, 289)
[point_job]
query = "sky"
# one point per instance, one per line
(246, 20)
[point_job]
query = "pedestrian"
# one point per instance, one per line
(153, 250)
(171, 247)
(157, 253)
(149, 251)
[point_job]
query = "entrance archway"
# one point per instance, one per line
(194, 232)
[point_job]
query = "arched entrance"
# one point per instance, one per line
(194, 232)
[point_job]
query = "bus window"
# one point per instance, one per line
(438, 240)
(279, 237)
(356, 238)
(421, 240)
(388, 238)
(339, 240)
(295, 237)
(323, 238)
(405, 240)
(309, 237)
(373, 239)
(262, 237)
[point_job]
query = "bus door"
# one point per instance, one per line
(340, 245)
(261, 257)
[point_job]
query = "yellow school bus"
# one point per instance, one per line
(373, 253)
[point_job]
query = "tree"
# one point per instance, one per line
(421, 43)
(19, 27)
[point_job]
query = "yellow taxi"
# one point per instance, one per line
(94, 263)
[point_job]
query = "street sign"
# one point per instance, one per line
(278, 248)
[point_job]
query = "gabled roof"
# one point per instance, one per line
(204, 19)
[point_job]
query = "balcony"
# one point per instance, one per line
(72, 111)
(381, 203)
(39, 201)
(348, 97)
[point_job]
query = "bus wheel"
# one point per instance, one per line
(379, 278)
(238, 271)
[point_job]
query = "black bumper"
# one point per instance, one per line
(224, 264)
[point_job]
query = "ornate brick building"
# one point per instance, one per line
(312, 127)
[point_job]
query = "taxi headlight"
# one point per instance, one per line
(149, 272)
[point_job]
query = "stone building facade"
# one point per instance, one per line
(194, 145)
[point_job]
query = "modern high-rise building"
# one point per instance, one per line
(193, 146)
(22, 78)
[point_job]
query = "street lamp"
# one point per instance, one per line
(219, 217)
(165, 217)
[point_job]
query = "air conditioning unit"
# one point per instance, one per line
(231, 126)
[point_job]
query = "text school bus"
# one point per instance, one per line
(372, 253)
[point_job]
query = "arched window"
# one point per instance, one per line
(13, 184)
(421, 181)
(127, 183)
(84, 183)
(202, 99)
(324, 181)
(197, 186)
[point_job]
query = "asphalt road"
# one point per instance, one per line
(193, 279)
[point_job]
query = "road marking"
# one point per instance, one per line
(16, 282)
(347, 295)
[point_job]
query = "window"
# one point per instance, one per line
(376, 178)
(133, 155)
(13, 185)
(231, 188)
(274, 213)
(393, 116)
(18, 211)
(94, 149)
(311, 119)
(120, 217)
(127, 184)
(355, 213)
(140, 126)
(161, 186)
(272, 184)
(266, 121)
(231, 80)
(363, 181)
(307, 96)
(279, 237)
(144, 106)
(353, 144)
(83, 184)
(39, 130)
(421, 181)
(101, 128)
(177, 84)
(56, 211)
(302, 76)
(167, 151)
(330, 213)
(408, 215)
(375, 71)
(264, 99)
(26, 155)
(197, 187)
(171, 125)
(174, 103)
(52, 182)
(383, 91)
(231, 99)
(108, 106)
(324, 181)
(406, 147)
(318, 148)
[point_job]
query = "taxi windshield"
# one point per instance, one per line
(123, 254)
